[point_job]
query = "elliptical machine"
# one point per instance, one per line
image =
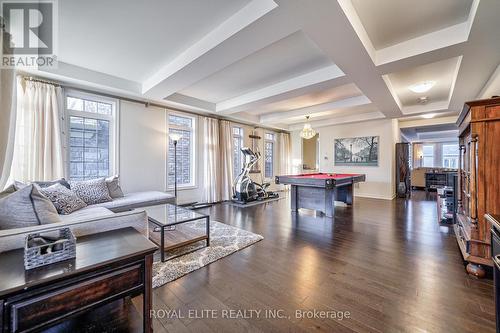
(244, 188)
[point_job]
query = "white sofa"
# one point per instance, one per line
(119, 213)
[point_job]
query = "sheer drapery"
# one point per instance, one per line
(7, 116)
(211, 166)
(226, 160)
(284, 154)
(38, 149)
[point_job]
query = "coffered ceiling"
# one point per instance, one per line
(273, 62)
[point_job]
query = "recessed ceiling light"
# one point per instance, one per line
(422, 86)
(428, 115)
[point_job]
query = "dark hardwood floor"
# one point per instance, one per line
(389, 263)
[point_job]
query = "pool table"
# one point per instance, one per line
(319, 190)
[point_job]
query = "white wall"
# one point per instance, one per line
(380, 179)
(143, 151)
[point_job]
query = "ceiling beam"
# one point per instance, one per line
(342, 120)
(311, 110)
(160, 85)
(318, 76)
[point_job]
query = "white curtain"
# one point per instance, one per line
(226, 160)
(284, 154)
(38, 149)
(211, 166)
(7, 116)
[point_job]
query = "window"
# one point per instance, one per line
(428, 156)
(450, 156)
(268, 155)
(91, 135)
(183, 125)
(237, 154)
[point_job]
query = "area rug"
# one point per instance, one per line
(224, 240)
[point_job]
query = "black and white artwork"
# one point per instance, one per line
(362, 151)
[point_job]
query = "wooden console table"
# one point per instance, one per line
(107, 287)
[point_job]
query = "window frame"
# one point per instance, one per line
(448, 156)
(241, 137)
(273, 165)
(194, 150)
(424, 156)
(113, 119)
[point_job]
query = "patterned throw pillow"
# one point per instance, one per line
(93, 191)
(44, 184)
(65, 200)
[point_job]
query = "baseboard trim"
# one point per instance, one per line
(374, 196)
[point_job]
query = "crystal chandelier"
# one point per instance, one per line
(307, 132)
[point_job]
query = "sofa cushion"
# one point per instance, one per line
(26, 207)
(138, 200)
(88, 213)
(115, 191)
(65, 200)
(92, 191)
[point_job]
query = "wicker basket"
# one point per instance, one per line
(61, 249)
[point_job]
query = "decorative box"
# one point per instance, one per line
(46, 248)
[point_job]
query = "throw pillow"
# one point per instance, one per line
(93, 191)
(115, 191)
(65, 200)
(8, 190)
(61, 181)
(26, 207)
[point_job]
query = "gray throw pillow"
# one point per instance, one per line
(65, 200)
(61, 181)
(93, 191)
(115, 191)
(26, 207)
(8, 190)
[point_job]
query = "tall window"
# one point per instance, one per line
(268, 155)
(428, 156)
(91, 135)
(237, 154)
(450, 156)
(185, 126)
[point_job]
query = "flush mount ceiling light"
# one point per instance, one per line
(307, 132)
(428, 115)
(422, 87)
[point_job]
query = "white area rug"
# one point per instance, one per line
(224, 240)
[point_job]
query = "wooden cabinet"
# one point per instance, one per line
(106, 288)
(479, 180)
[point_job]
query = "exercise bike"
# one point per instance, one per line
(244, 188)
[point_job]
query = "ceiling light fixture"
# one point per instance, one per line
(428, 115)
(422, 87)
(307, 132)
(422, 100)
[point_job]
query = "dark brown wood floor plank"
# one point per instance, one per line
(387, 262)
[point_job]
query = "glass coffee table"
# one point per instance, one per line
(172, 227)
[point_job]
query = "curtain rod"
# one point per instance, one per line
(147, 104)
(33, 79)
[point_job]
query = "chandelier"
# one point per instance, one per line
(307, 132)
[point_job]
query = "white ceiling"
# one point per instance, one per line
(273, 62)
(287, 58)
(389, 22)
(133, 39)
(441, 72)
